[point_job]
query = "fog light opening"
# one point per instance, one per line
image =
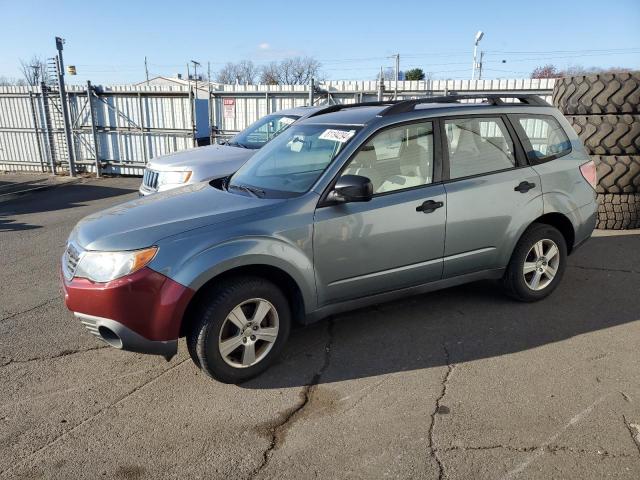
(110, 337)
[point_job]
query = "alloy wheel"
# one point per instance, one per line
(248, 333)
(541, 264)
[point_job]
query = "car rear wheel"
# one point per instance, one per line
(537, 264)
(241, 329)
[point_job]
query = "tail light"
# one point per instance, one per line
(588, 171)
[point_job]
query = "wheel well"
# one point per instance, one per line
(279, 277)
(563, 224)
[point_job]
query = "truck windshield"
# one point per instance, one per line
(260, 132)
(290, 164)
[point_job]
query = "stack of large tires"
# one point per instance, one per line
(604, 110)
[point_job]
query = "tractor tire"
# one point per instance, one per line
(618, 211)
(617, 174)
(603, 93)
(608, 134)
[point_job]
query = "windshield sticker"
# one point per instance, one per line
(296, 143)
(287, 120)
(337, 135)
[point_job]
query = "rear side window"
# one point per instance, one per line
(544, 138)
(478, 145)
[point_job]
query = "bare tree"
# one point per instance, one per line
(550, 71)
(270, 74)
(33, 70)
(291, 71)
(242, 72)
(546, 71)
(11, 81)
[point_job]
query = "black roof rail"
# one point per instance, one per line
(404, 106)
(341, 106)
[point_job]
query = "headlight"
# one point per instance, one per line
(106, 266)
(173, 178)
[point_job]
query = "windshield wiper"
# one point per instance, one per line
(235, 144)
(254, 191)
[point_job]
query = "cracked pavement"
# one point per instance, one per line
(462, 383)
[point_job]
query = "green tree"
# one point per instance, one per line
(414, 74)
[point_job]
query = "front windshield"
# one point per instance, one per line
(260, 132)
(291, 163)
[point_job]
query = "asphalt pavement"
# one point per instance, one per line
(460, 384)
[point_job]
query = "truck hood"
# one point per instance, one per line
(204, 162)
(142, 222)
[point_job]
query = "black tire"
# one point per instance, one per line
(618, 173)
(598, 94)
(608, 134)
(204, 335)
(618, 211)
(514, 280)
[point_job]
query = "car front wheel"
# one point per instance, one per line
(537, 264)
(241, 329)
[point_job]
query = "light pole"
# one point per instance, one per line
(479, 36)
(397, 74)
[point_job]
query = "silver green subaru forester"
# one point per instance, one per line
(355, 205)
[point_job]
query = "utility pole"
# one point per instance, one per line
(195, 73)
(380, 86)
(65, 108)
(480, 66)
(146, 70)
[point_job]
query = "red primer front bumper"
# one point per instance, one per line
(146, 301)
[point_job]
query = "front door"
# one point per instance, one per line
(396, 240)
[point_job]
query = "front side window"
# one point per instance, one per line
(262, 131)
(478, 145)
(396, 158)
(291, 163)
(546, 137)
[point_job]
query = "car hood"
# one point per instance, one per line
(205, 162)
(142, 222)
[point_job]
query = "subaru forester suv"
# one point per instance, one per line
(355, 205)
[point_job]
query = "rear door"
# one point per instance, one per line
(492, 193)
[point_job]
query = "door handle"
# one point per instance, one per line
(524, 187)
(429, 206)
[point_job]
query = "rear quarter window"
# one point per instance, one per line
(543, 137)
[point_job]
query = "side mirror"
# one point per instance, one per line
(351, 188)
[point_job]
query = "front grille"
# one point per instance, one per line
(150, 179)
(70, 261)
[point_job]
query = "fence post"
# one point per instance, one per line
(311, 91)
(192, 103)
(47, 132)
(35, 128)
(94, 132)
(142, 136)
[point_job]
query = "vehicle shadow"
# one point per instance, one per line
(456, 325)
(60, 198)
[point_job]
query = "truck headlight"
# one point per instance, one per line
(106, 266)
(173, 178)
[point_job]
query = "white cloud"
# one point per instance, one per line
(264, 46)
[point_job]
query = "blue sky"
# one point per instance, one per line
(108, 40)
